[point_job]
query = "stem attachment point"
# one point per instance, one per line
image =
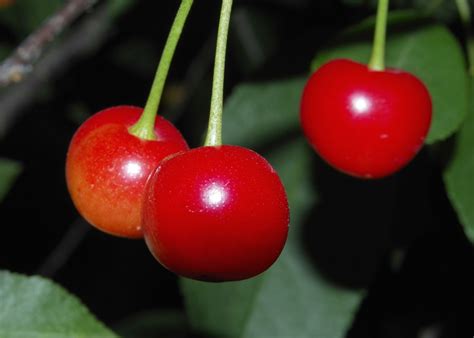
(377, 60)
(214, 131)
(144, 128)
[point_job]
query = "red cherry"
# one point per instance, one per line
(107, 168)
(365, 123)
(215, 214)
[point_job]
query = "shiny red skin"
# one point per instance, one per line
(216, 214)
(107, 168)
(365, 123)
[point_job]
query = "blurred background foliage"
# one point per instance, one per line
(386, 258)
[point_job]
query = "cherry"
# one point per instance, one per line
(113, 153)
(366, 123)
(215, 213)
(107, 168)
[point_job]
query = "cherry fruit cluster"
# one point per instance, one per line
(220, 212)
(214, 213)
(210, 213)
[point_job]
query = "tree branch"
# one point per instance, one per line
(20, 63)
(65, 248)
(82, 40)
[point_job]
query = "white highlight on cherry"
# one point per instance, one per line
(360, 104)
(133, 169)
(215, 195)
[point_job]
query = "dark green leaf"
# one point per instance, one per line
(429, 51)
(26, 15)
(161, 324)
(291, 299)
(119, 7)
(35, 307)
(9, 170)
(257, 113)
(444, 10)
(459, 173)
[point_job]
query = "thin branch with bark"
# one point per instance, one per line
(21, 62)
(79, 42)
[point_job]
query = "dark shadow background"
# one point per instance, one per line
(426, 286)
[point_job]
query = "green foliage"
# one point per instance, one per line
(429, 51)
(444, 10)
(9, 170)
(458, 175)
(119, 7)
(276, 303)
(259, 113)
(154, 324)
(25, 15)
(34, 307)
(293, 298)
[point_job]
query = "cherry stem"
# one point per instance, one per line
(377, 60)
(214, 131)
(465, 14)
(144, 128)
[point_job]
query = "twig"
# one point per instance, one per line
(84, 39)
(65, 248)
(20, 63)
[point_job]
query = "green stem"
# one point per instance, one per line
(144, 128)
(214, 131)
(466, 18)
(377, 60)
